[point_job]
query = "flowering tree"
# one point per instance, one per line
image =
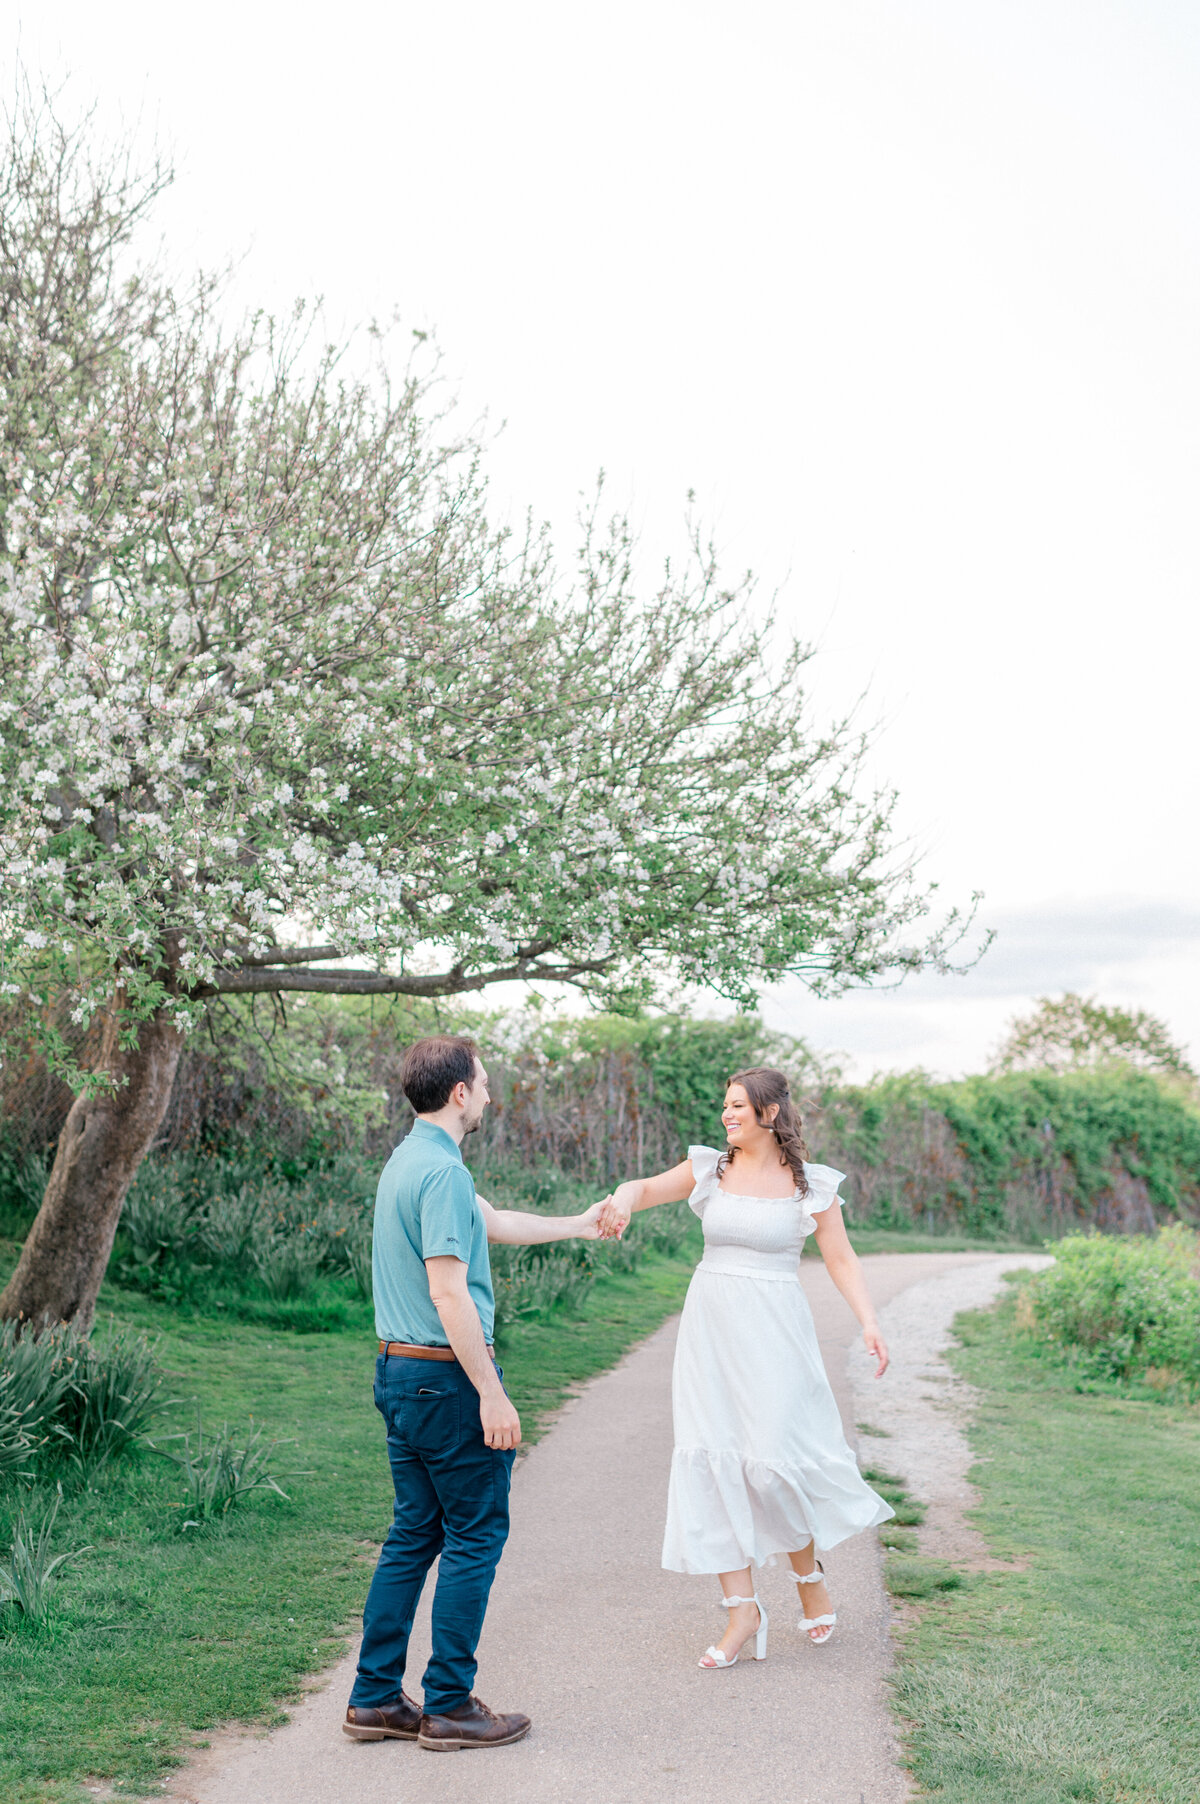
(281, 710)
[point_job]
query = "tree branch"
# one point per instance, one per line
(380, 983)
(293, 955)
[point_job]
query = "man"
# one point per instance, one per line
(451, 1428)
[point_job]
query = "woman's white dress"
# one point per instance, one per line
(760, 1464)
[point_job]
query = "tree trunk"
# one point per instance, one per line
(103, 1141)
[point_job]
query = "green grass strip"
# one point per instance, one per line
(1077, 1678)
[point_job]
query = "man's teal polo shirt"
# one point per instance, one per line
(424, 1207)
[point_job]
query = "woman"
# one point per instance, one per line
(761, 1466)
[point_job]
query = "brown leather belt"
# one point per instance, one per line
(402, 1350)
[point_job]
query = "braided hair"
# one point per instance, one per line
(766, 1086)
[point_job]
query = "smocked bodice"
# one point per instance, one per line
(757, 1235)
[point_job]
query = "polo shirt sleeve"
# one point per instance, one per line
(447, 1214)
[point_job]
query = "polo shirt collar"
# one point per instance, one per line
(429, 1130)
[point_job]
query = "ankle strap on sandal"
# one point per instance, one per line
(808, 1578)
(729, 1602)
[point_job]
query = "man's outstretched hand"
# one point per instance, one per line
(588, 1224)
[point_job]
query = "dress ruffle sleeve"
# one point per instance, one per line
(823, 1183)
(704, 1170)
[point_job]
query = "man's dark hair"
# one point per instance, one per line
(432, 1067)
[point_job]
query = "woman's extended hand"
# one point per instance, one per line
(614, 1218)
(876, 1346)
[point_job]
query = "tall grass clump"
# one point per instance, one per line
(216, 1472)
(1125, 1308)
(74, 1400)
(30, 1574)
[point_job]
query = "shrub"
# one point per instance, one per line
(159, 1218)
(1027, 1153)
(37, 1373)
(22, 1185)
(1123, 1307)
(225, 1225)
(358, 1257)
(287, 1263)
(532, 1281)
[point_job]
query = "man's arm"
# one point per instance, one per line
(517, 1228)
(460, 1318)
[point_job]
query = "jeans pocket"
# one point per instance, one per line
(429, 1418)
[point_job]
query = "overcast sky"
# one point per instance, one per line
(908, 293)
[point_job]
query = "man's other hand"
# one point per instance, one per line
(500, 1421)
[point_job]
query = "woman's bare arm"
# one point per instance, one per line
(644, 1193)
(841, 1262)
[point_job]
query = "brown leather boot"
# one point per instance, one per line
(471, 1725)
(395, 1722)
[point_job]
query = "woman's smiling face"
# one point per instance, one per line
(738, 1118)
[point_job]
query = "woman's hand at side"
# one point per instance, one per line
(876, 1346)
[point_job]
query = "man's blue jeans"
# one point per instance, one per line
(452, 1500)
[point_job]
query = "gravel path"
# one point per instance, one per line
(591, 1637)
(919, 1412)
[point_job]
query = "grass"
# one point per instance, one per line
(160, 1634)
(1078, 1677)
(911, 1240)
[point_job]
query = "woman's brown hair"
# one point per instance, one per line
(766, 1086)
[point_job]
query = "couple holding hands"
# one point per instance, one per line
(760, 1467)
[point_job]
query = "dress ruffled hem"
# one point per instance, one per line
(726, 1510)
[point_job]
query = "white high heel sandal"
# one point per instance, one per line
(809, 1623)
(714, 1659)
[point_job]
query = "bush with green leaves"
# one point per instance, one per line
(1123, 1308)
(287, 1263)
(1025, 1153)
(198, 1223)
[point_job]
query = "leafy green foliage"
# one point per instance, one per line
(1027, 1152)
(114, 1393)
(1123, 1308)
(198, 1225)
(1072, 1032)
(16, 1442)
